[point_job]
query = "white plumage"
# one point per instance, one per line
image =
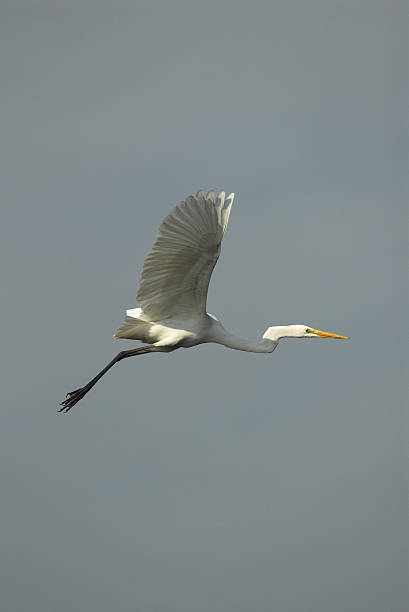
(176, 273)
(173, 289)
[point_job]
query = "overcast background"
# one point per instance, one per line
(207, 480)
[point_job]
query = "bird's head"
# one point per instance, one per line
(298, 331)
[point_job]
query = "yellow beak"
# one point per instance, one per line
(323, 334)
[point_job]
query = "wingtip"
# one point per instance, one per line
(221, 197)
(210, 195)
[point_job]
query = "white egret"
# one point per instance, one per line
(173, 290)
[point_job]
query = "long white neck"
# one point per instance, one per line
(266, 345)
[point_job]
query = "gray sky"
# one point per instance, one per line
(210, 479)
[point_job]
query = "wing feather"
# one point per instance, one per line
(176, 274)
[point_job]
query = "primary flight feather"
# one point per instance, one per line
(173, 289)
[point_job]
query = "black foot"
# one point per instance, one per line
(72, 398)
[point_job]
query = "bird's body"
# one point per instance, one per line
(173, 289)
(177, 332)
(175, 280)
(171, 333)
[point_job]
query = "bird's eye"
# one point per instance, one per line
(308, 331)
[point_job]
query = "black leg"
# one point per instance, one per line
(75, 396)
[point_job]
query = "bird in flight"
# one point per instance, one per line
(173, 289)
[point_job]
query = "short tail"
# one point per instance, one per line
(133, 327)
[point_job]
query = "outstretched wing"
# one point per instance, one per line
(177, 271)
